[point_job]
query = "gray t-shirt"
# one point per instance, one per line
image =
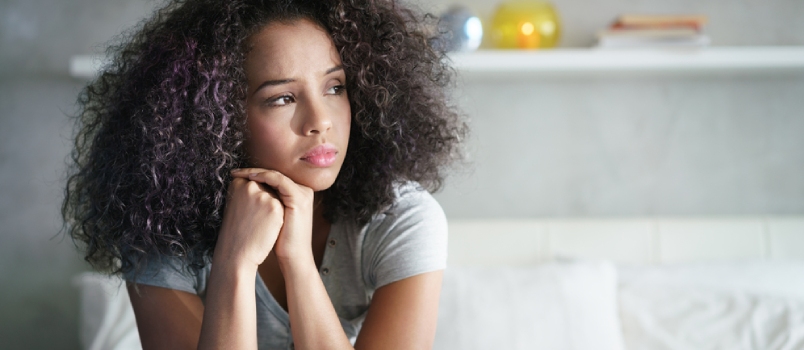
(409, 238)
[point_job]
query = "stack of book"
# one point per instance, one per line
(636, 31)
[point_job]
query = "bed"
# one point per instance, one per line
(583, 283)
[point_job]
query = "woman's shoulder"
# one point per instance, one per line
(171, 272)
(413, 199)
(408, 238)
(413, 207)
(414, 214)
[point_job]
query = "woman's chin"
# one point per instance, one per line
(317, 179)
(318, 187)
(317, 183)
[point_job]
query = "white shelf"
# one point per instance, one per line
(585, 60)
(582, 60)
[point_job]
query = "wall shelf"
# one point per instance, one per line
(512, 63)
(594, 60)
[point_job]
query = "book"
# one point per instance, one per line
(636, 30)
(649, 33)
(667, 25)
(661, 20)
(698, 40)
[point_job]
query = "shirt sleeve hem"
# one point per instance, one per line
(406, 273)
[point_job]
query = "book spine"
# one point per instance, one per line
(666, 25)
(661, 19)
(650, 33)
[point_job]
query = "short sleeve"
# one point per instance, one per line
(166, 272)
(409, 239)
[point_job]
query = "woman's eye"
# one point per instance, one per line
(281, 100)
(336, 90)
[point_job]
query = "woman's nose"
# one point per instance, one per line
(317, 118)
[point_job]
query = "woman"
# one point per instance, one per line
(256, 170)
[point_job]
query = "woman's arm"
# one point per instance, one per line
(230, 316)
(251, 223)
(402, 314)
(166, 318)
(313, 320)
(171, 319)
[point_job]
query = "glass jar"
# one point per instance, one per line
(525, 24)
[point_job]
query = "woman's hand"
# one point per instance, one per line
(251, 222)
(295, 237)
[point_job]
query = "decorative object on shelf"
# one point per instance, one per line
(638, 31)
(459, 30)
(525, 24)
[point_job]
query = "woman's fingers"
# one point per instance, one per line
(251, 223)
(243, 172)
(271, 178)
(289, 191)
(294, 239)
(275, 179)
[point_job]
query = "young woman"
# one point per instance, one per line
(257, 170)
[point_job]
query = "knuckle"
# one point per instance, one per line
(252, 186)
(282, 181)
(265, 199)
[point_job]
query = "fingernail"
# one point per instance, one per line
(252, 175)
(235, 170)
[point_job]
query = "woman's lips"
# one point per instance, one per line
(321, 156)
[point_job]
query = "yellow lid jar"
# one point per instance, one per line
(525, 24)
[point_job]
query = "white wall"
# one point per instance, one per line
(37, 37)
(554, 147)
(632, 146)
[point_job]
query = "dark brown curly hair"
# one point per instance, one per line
(160, 128)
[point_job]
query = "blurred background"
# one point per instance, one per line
(551, 145)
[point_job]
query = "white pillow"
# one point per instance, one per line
(555, 306)
(107, 319)
(735, 306)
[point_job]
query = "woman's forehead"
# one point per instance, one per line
(290, 47)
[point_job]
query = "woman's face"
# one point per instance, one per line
(298, 113)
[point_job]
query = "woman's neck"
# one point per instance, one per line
(321, 227)
(318, 208)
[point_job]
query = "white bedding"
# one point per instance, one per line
(107, 319)
(555, 306)
(577, 305)
(730, 306)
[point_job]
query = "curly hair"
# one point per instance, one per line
(160, 128)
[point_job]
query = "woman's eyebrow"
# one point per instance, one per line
(333, 69)
(285, 81)
(273, 83)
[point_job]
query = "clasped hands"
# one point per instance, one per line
(266, 210)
